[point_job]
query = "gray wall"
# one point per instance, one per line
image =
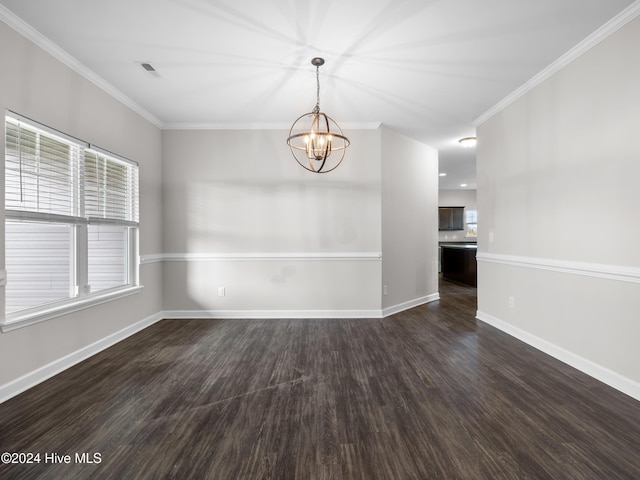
(409, 222)
(237, 208)
(558, 170)
(231, 196)
(40, 87)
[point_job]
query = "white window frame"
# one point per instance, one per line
(82, 297)
(471, 224)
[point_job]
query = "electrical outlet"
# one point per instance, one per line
(385, 290)
(221, 291)
(512, 302)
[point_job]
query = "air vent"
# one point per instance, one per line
(147, 67)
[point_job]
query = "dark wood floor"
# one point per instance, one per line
(426, 394)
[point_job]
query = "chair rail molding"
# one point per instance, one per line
(598, 270)
(260, 256)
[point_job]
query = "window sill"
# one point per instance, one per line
(24, 319)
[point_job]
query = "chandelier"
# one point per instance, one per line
(316, 141)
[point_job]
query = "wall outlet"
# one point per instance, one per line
(221, 291)
(512, 302)
(385, 290)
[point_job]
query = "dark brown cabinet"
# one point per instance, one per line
(459, 263)
(451, 218)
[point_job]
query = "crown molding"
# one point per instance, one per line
(27, 31)
(259, 126)
(617, 22)
(226, 126)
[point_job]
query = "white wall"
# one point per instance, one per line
(558, 201)
(409, 221)
(38, 86)
(241, 194)
(457, 198)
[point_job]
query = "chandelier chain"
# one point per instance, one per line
(316, 109)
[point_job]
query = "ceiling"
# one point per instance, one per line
(425, 68)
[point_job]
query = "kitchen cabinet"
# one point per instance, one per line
(451, 218)
(459, 263)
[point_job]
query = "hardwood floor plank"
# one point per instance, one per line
(428, 393)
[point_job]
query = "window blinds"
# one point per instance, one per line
(111, 189)
(51, 177)
(42, 172)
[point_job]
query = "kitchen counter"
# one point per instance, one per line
(458, 263)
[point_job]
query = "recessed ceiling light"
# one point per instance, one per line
(468, 142)
(463, 184)
(443, 174)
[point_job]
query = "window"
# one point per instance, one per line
(71, 218)
(472, 223)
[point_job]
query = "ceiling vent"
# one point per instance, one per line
(147, 67)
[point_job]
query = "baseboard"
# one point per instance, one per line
(270, 314)
(410, 304)
(45, 372)
(609, 377)
(275, 314)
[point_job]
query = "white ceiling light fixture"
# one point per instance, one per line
(316, 141)
(468, 142)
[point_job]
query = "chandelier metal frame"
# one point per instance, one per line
(314, 136)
